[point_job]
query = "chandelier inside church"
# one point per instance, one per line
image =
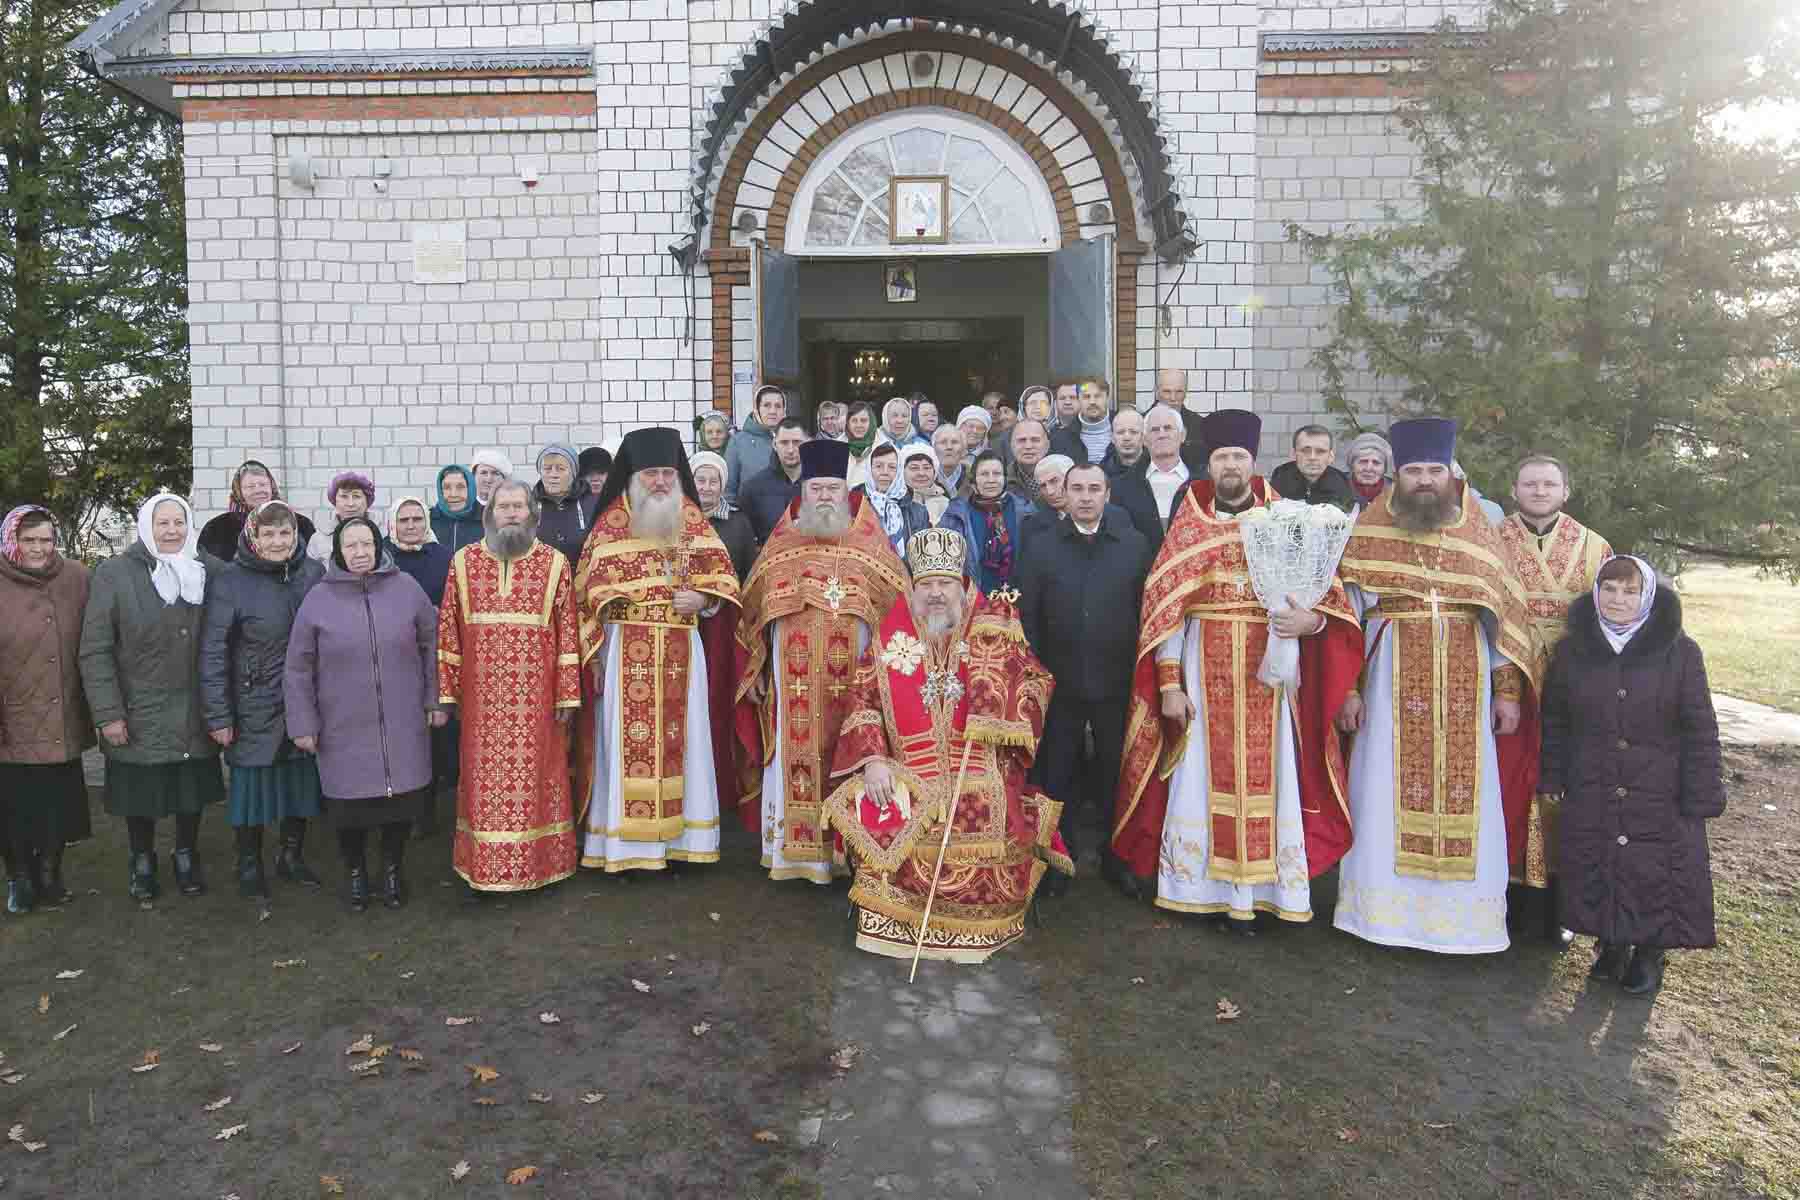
(871, 372)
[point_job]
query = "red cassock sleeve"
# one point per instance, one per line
(1518, 761)
(1330, 664)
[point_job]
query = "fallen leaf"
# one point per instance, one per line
(483, 1074)
(459, 1020)
(332, 1184)
(70, 974)
(407, 974)
(13, 1079)
(1348, 1134)
(181, 991)
(1440, 1125)
(16, 1134)
(409, 1055)
(264, 915)
(640, 985)
(375, 956)
(1162, 925)
(549, 1018)
(539, 1097)
(1151, 1142)
(361, 1045)
(669, 957)
(293, 1047)
(229, 1132)
(211, 1047)
(366, 1065)
(593, 1097)
(767, 1135)
(845, 1056)
(142, 1068)
(33, 1147)
(381, 1052)
(43, 1004)
(1137, 979)
(282, 964)
(1227, 1011)
(713, 917)
(229, 1196)
(486, 1101)
(701, 1028)
(460, 1170)
(216, 1105)
(519, 1175)
(65, 1033)
(1349, 991)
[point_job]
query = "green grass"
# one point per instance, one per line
(1749, 629)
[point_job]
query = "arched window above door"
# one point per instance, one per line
(998, 200)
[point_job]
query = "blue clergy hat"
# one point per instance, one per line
(1423, 440)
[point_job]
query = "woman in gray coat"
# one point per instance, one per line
(362, 694)
(140, 667)
(250, 607)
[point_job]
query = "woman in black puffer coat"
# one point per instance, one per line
(1632, 745)
(250, 607)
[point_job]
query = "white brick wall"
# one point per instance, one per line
(302, 26)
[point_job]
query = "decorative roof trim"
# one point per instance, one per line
(1397, 43)
(546, 59)
(121, 17)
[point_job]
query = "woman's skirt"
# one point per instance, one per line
(44, 804)
(269, 795)
(162, 789)
(378, 810)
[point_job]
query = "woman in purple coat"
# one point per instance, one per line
(361, 689)
(1632, 745)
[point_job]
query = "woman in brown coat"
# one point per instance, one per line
(1632, 745)
(44, 723)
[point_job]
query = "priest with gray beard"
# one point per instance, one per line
(824, 580)
(654, 582)
(508, 657)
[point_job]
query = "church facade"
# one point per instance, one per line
(415, 228)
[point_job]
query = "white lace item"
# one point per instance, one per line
(1292, 549)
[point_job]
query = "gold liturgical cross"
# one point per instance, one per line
(639, 671)
(834, 592)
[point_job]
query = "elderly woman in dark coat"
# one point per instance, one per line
(140, 668)
(250, 607)
(44, 723)
(1632, 746)
(252, 484)
(361, 689)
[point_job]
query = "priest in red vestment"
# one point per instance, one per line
(823, 582)
(948, 693)
(1233, 792)
(651, 571)
(509, 657)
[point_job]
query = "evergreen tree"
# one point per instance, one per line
(1596, 269)
(93, 279)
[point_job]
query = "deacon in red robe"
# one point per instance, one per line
(1233, 792)
(509, 658)
(651, 572)
(949, 693)
(823, 582)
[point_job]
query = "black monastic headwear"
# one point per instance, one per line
(642, 449)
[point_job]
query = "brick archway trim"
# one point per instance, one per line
(1067, 220)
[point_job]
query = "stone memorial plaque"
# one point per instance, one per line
(441, 253)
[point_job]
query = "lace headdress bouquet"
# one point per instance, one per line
(1292, 549)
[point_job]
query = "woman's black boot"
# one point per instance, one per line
(1609, 961)
(394, 891)
(50, 886)
(187, 872)
(290, 865)
(1646, 973)
(359, 887)
(252, 883)
(143, 884)
(19, 897)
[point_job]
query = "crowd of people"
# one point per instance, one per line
(896, 639)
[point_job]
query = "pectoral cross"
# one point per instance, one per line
(834, 592)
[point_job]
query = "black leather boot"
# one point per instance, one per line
(50, 886)
(289, 865)
(187, 872)
(1646, 973)
(1609, 961)
(252, 883)
(143, 884)
(359, 887)
(19, 896)
(394, 889)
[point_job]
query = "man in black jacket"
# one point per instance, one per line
(1310, 476)
(764, 497)
(1079, 593)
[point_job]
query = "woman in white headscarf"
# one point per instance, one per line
(140, 667)
(1631, 745)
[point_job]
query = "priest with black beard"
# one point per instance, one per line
(652, 574)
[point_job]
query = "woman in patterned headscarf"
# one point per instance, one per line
(43, 798)
(252, 484)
